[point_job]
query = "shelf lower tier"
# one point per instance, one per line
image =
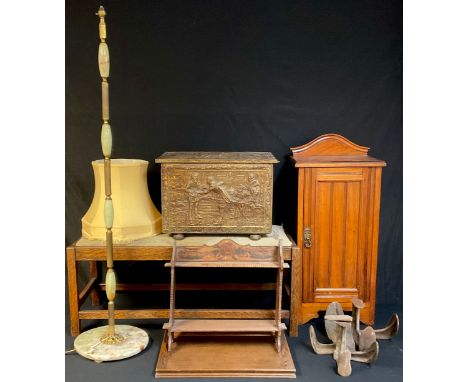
(223, 326)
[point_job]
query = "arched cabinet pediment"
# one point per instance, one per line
(329, 144)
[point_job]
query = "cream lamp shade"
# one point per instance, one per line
(135, 216)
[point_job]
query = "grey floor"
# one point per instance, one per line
(309, 366)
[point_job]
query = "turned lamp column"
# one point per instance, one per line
(106, 143)
(103, 343)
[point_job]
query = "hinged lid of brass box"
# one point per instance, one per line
(217, 192)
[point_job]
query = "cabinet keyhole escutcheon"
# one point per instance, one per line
(307, 237)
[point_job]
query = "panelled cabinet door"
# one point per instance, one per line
(336, 256)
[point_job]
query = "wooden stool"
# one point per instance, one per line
(159, 248)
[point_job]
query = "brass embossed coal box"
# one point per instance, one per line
(217, 192)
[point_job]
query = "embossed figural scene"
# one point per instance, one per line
(205, 192)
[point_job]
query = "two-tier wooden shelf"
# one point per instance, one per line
(227, 254)
(243, 347)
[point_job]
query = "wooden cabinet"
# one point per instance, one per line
(337, 225)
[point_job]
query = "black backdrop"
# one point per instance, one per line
(240, 76)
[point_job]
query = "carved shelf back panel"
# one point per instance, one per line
(227, 250)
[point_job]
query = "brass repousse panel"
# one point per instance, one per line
(217, 197)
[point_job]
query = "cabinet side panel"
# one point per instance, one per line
(300, 207)
(300, 217)
(306, 222)
(363, 244)
(375, 237)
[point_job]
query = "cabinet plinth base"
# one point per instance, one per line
(310, 311)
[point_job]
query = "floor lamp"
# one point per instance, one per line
(110, 342)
